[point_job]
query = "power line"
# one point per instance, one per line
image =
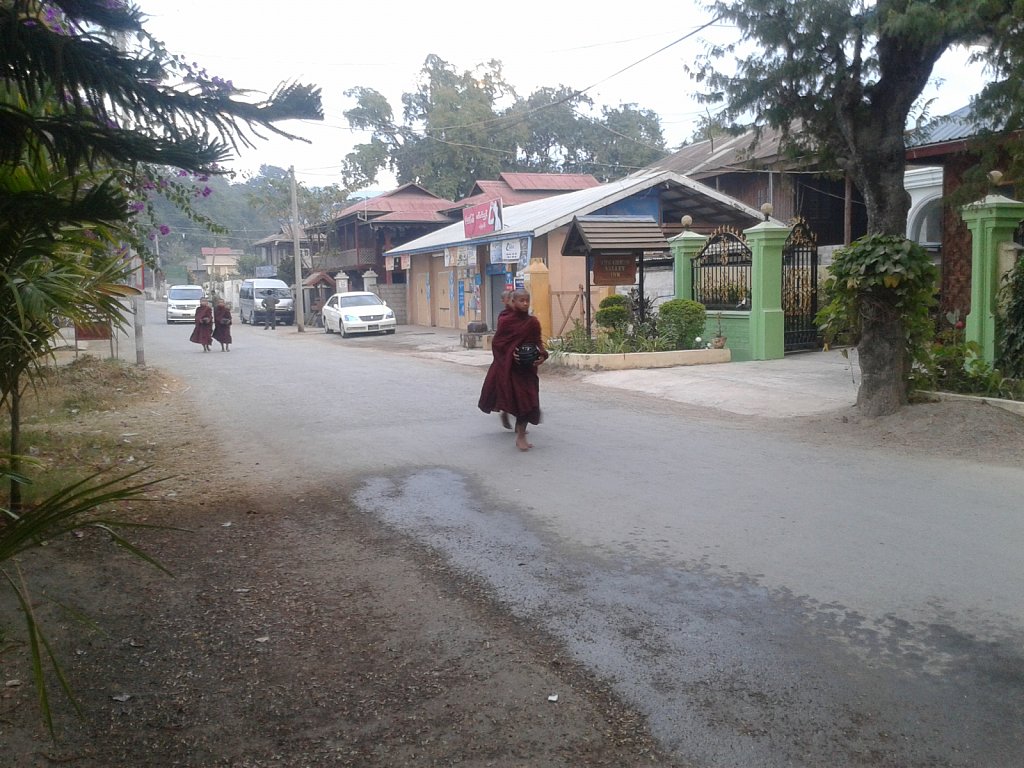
(576, 94)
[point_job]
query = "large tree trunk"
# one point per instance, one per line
(882, 350)
(872, 123)
(884, 365)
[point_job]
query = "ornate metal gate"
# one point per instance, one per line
(800, 288)
(721, 271)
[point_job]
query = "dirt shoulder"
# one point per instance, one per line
(290, 635)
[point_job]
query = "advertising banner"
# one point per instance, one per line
(511, 251)
(482, 219)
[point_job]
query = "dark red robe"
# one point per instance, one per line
(203, 332)
(508, 387)
(222, 324)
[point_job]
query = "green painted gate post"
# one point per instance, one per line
(991, 222)
(685, 247)
(767, 321)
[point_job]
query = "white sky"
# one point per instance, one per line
(342, 45)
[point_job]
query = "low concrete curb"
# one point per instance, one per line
(632, 360)
(1013, 406)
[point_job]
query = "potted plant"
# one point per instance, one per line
(718, 340)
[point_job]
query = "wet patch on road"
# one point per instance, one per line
(729, 672)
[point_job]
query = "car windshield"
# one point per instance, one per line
(360, 301)
(185, 294)
(277, 292)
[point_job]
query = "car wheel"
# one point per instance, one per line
(327, 327)
(241, 317)
(342, 331)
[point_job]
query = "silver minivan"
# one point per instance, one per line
(182, 303)
(251, 295)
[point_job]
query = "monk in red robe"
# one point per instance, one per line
(222, 325)
(512, 384)
(506, 310)
(203, 332)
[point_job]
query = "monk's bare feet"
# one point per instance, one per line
(522, 444)
(505, 421)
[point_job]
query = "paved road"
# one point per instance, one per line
(764, 601)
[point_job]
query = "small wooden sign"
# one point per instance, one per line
(614, 270)
(92, 331)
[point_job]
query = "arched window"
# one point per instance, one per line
(926, 224)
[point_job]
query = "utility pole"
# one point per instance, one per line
(139, 307)
(300, 309)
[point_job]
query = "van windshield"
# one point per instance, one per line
(281, 294)
(185, 294)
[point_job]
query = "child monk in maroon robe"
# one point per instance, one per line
(203, 332)
(510, 386)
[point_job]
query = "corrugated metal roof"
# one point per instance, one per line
(221, 251)
(638, 234)
(414, 217)
(518, 188)
(318, 278)
(490, 189)
(549, 182)
(408, 197)
(952, 127)
(725, 153)
(708, 207)
(283, 235)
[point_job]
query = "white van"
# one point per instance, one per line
(250, 300)
(182, 303)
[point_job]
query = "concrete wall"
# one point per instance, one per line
(396, 297)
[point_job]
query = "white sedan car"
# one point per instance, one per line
(357, 312)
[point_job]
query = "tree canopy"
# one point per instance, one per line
(840, 78)
(459, 127)
(269, 194)
(113, 93)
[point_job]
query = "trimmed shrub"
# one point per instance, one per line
(680, 321)
(614, 312)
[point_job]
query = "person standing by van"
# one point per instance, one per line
(269, 304)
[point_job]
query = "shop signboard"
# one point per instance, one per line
(515, 251)
(614, 269)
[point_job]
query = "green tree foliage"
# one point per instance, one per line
(839, 78)
(269, 194)
(553, 137)
(878, 284)
(243, 212)
(58, 257)
(121, 103)
(459, 127)
(625, 139)
(1011, 322)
